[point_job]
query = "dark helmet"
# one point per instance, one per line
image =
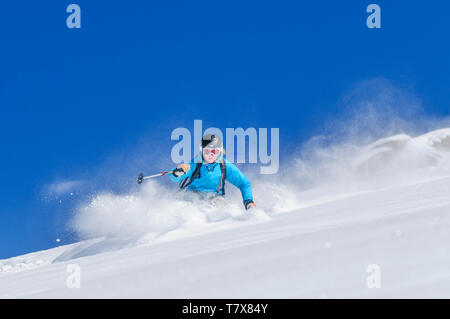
(211, 141)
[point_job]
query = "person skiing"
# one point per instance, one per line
(208, 171)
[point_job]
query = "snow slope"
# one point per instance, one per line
(321, 248)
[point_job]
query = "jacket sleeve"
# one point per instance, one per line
(238, 179)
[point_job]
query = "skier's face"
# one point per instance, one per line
(211, 154)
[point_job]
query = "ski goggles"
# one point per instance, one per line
(213, 151)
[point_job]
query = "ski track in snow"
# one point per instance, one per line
(321, 249)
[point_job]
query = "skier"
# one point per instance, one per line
(207, 173)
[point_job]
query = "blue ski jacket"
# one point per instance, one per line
(209, 178)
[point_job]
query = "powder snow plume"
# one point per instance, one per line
(381, 140)
(155, 210)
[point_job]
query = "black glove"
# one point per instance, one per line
(249, 204)
(177, 172)
(181, 170)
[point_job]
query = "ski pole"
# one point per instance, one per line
(141, 176)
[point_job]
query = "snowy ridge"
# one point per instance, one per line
(427, 150)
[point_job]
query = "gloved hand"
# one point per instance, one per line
(249, 204)
(181, 170)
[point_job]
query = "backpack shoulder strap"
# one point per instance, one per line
(188, 180)
(223, 170)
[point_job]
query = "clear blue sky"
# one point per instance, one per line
(77, 102)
